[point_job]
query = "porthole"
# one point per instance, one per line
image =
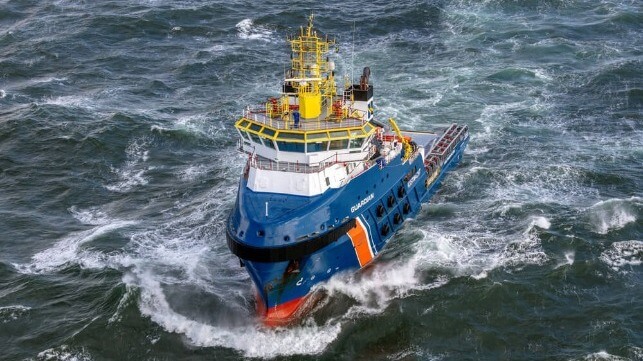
(390, 201)
(379, 210)
(407, 208)
(397, 218)
(385, 229)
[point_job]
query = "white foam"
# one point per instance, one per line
(623, 256)
(613, 214)
(67, 250)
(193, 172)
(64, 353)
(72, 101)
(250, 339)
(247, 30)
(382, 283)
(132, 173)
(540, 222)
(603, 355)
(93, 216)
(527, 249)
(570, 256)
(474, 253)
(12, 313)
(2, 93)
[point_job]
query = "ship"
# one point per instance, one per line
(326, 184)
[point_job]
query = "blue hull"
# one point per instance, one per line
(310, 239)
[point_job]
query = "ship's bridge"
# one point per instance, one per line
(311, 143)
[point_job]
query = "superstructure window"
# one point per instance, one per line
(255, 127)
(286, 135)
(269, 132)
(338, 134)
(316, 147)
(317, 136)
(338, 144)
(291, 147)
(255, 138)
(268, 143)
(356, 143)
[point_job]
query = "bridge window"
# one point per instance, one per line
(269, 132)
(268, 143)
(291, 147)
(317, 136)
(338, 144)
(255, 127)
(339, 134)
(316, 147)
(255, 138)
(356, 143)
(286, 135)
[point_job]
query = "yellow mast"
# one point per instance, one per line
(311, 73)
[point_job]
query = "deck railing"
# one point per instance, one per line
(260, 116)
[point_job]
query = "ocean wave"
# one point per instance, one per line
(132, 173)
(307, 339)
(375, 288)
(68, 250)
(623, 256)
(246, 29)
(614, 214)
(13, 313)
(603, 356)
(64, 353)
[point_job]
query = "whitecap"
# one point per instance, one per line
(250, 339)
(64, 353)
(540, 222)
(2, 93)
(603, 356)
(613, 214)
(67, 250)
(132, 173)
(375, 289)
(93, 216)
(622, 256)
(12, 313)
(246, 29)
(570, 257)
(72, 101)
(193, 172)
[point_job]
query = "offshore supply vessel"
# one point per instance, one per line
(325, 185)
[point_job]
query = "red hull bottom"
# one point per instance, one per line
(281, 314)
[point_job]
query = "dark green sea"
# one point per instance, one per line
(118, 168)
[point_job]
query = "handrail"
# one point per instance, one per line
(444, 146)
(260, 116)
(269, 164)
